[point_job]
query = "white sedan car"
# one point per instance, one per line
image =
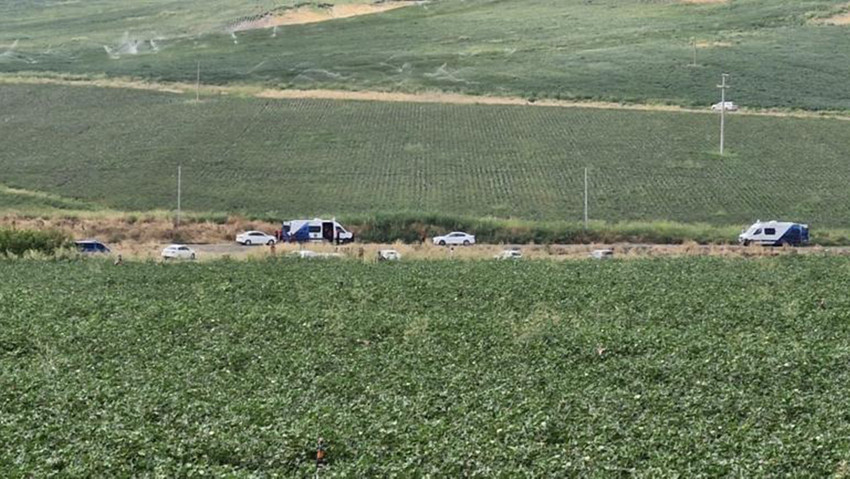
(729, 106)
(455, 238)
(178, 251)
(388, 255)
(307, 254)
(509, 254)
(249, 238)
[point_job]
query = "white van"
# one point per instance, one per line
(775, 233)
(317, 229)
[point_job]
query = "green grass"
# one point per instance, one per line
(16, 200)
(710, 368)
(63, 26)
(120, 149)
(621, 50)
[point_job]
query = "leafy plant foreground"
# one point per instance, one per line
(691, 367)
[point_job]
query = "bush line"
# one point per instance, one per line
(18, 242)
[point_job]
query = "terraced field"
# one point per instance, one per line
(289, 158)
(687, 367)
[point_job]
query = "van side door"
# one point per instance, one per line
(770, 235)
(315, 232)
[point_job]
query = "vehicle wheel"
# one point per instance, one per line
(466, 242)
(442, 242)
(271, 242)
(247, 242)
(746, 242)
(193, 256)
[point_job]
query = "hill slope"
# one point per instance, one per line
(630, 50)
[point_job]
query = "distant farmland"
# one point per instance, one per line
(779, 55)
(283, 158)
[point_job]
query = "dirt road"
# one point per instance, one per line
(378, 96)
(369, 251)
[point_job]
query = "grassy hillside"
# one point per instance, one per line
(293, 158)
(63, 26)
(630, 50)
(444, 368)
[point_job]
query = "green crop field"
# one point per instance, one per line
(778, 53)
(119, 149)
(677, 368)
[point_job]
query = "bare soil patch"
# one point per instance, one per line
(838, 15)
(838, 19)
(454, 98)
(315, 14)
(713, 44)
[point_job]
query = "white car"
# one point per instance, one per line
(509, 254)
(729, 106)
(178, 251)
(602, 253)
(455, 238)
(307, 254)
(249, 238)
(388, 255)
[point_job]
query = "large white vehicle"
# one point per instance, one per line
(249, 238)
(302, 231)
(775, 233)
(455, 238)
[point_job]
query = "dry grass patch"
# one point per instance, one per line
(133, 229)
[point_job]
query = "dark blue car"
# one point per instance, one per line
(91, 246)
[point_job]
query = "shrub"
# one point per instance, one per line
(18, 242)
(416, 227)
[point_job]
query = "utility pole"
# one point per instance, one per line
(585, 198)
(179, 181)
(723, 86)
(198, 83)
(694, 45)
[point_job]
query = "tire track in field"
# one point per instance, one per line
(398, 97)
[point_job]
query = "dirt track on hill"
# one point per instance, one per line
(377, 96)
(313, 14)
